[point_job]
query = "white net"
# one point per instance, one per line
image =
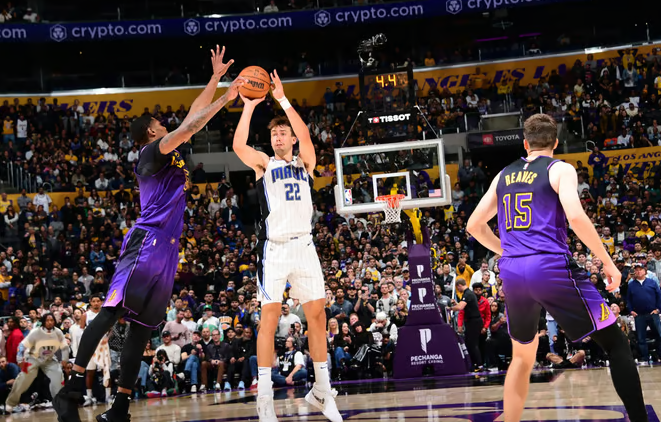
(392, 208)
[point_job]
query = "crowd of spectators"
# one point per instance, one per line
(59, 259)
(613, 103)
(11, 13)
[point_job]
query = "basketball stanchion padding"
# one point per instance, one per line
(426, 344)
(414, 217)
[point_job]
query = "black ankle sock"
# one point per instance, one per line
(120, 406)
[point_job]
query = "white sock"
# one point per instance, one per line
(108, 393)
(264, 383)
(322, 380)
(89, 393)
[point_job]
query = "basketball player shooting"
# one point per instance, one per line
(534, 197)
(285, 249)
(142, 284)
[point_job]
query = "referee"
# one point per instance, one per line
(472, 321)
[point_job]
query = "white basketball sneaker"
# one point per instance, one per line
(324, 401)
(266, 409)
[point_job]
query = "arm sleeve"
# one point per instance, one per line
(151, 159)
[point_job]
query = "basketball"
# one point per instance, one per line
(259, 82)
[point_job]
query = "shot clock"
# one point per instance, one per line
(388, 80)
(388, 99)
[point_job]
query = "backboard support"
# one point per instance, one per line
(415, 169)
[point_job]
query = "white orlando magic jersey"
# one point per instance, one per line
(285, 200)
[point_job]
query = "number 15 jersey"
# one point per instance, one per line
(285, 200)
(530, 216)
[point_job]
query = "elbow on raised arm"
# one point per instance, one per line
(472, 226)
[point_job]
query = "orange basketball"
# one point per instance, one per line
(259, 82)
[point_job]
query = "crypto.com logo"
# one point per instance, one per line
(453, 6)
(58, 33)
(192, 27)
(322, 18)
(425, 338)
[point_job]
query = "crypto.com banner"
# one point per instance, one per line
(304, 19)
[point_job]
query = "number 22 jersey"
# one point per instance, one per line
(285, 198)
(530, 216)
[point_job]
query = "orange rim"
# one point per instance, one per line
(392, 201)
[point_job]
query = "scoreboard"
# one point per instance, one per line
(388, 98)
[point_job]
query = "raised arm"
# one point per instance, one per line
(196, 121)
(478, 223)
(254, 159)
(301, 131)
(565, 182)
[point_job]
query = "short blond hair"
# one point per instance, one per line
(541, 131)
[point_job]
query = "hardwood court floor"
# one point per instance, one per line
(585, 395)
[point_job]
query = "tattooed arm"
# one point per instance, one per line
(196, 121)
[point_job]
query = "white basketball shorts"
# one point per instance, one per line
(294, 261)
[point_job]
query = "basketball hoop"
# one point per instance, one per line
(392, 207)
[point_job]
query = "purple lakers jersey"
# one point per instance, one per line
(163, 180)
(530, 217)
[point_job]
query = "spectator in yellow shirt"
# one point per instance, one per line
(504, 88)
(429, 60)
(628, 58)
(4, 203)
(463, 271)
(5, 283)
(608, 240)
(644, 230)
(8, 130)
(477, 81)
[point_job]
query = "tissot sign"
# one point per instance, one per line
(389, 118)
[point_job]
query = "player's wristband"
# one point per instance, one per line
(284, 103)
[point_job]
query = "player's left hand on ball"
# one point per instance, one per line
(219, 68)
(278, 90)
(233, 90)
(613, 276)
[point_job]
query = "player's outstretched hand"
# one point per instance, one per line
(278, 90)
(219, 68)
(613, 276)
(248, 102)
(233, 90)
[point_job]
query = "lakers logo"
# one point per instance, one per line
(605, 312)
